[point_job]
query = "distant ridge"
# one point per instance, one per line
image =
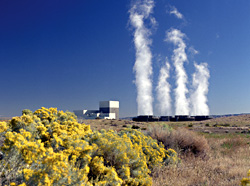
(127, 118)
(228, 115)
(5, 118)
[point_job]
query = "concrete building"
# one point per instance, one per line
(107, 110)
(109, 107)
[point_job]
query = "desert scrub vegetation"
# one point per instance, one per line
(49, 147)
(226, 165)
(184, 141)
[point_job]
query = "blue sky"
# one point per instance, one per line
(73, 54)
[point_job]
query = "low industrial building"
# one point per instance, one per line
(151, 118)
(147, 118)
(107, 110)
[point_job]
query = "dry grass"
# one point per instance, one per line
(184, 141)
(228, 154)
(225, 167)
(232, 124)
(110, 124)
(231, 120)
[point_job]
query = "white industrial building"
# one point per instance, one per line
(107, 110)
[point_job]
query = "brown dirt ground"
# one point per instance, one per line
(233, 124)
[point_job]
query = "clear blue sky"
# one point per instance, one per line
(73, 54)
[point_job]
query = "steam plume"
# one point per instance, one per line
(140, 11)
(163, 91)
(200, 86)
(176, 12)
(179, 57)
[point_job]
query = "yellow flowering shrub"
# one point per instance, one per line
(119, 152)
(3, 127)
(246, 181)
(49, 147)
(50, 144)
(155, 153)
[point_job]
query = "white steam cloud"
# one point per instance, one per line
(192, 51)
(140, 11)
(163, 91)
(175, 12)
(179, 57)
(200, 85)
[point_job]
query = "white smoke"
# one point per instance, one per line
(200, 85)
(140, 11)
(179, 57)
(163, 91)
(175, 12)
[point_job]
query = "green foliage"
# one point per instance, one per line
(27, 112)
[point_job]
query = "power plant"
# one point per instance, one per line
(196, 105)
(107, 110)
(151, 118)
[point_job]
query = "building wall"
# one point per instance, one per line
(91, 111)
(79, 112)
(108, 116)
(107, 110)
(87, 113)
(106, 104)
(111, 110)
(110, 107)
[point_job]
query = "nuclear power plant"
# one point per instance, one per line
(107, 110)
(151, 118)
(196, 105)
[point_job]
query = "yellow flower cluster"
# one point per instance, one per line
(246, 181)
(3, 127)
(52, 148)
(119, 152)
(155, 153)
(52, 144)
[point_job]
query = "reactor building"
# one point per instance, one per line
(107, 110)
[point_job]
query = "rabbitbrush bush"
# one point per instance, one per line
(246, 181)
(49, 147)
